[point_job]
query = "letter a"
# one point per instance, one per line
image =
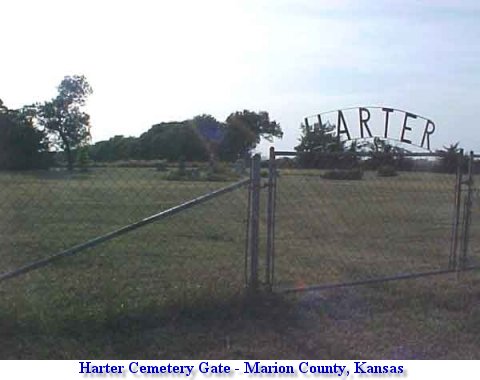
(341, 120)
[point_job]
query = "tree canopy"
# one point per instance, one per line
(62, 125)
(319, 139)
(21, 145)
(244, 130)
(452, 158)
(199, 139)
(62, 118)
(172, 141)
(315, 142)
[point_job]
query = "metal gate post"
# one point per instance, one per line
(467, 213)
(272, 183)
(254, 223)
(454, 262)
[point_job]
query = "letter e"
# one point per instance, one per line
(406, 127)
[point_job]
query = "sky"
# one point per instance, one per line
(150, 61)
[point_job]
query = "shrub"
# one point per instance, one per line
(161, 166)
(387, 171)
(220, 172)
(286, 163)
(131, 164)
(83, 160)
(175, 175)
(216, 172)
(217, 177)
(353, 174)
(182, 166)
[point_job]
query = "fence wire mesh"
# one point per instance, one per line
(195, 255)
(366, 222)
(473, 251)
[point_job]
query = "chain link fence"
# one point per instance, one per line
(473, 238)
(336, 219)
(350, 219)
(191, 257)
(181, 245)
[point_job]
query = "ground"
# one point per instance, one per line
(175, 289)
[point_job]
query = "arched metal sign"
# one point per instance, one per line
(369, 122)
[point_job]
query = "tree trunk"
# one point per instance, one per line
(68, 152)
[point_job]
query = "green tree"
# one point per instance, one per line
(243, 132)
(237, 142)
(116, 148)
(319, 139)
(63, 118)
(171, 141)
(211, 133)
(382, 154)
(315, 144)
(83, 159)
(21, 145)
(450, 158)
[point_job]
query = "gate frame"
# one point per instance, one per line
(467, 213)
(271, 203)
(457, 262)
(253, 227)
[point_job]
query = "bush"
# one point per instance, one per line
(130, 164)
(387, 171)
(183, 175)
(217, 177)
(220, 172)
(161, 166)
(286, 163)
(83, 160)
(353, 174)
(217, 172)
(22, 147)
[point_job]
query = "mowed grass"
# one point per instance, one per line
(340, 231)
(175, 289)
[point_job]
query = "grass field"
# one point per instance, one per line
(352, 230)
(174, 289)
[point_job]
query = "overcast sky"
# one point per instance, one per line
(153, 61)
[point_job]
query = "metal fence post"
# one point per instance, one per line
(269, 267)
(453, 262)
(254, 223)
(467, 213)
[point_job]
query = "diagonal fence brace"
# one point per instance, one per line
(121, 231)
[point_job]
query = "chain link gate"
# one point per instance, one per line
(322, 231)
(471, 246)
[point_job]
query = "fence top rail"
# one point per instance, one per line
(360, 154)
